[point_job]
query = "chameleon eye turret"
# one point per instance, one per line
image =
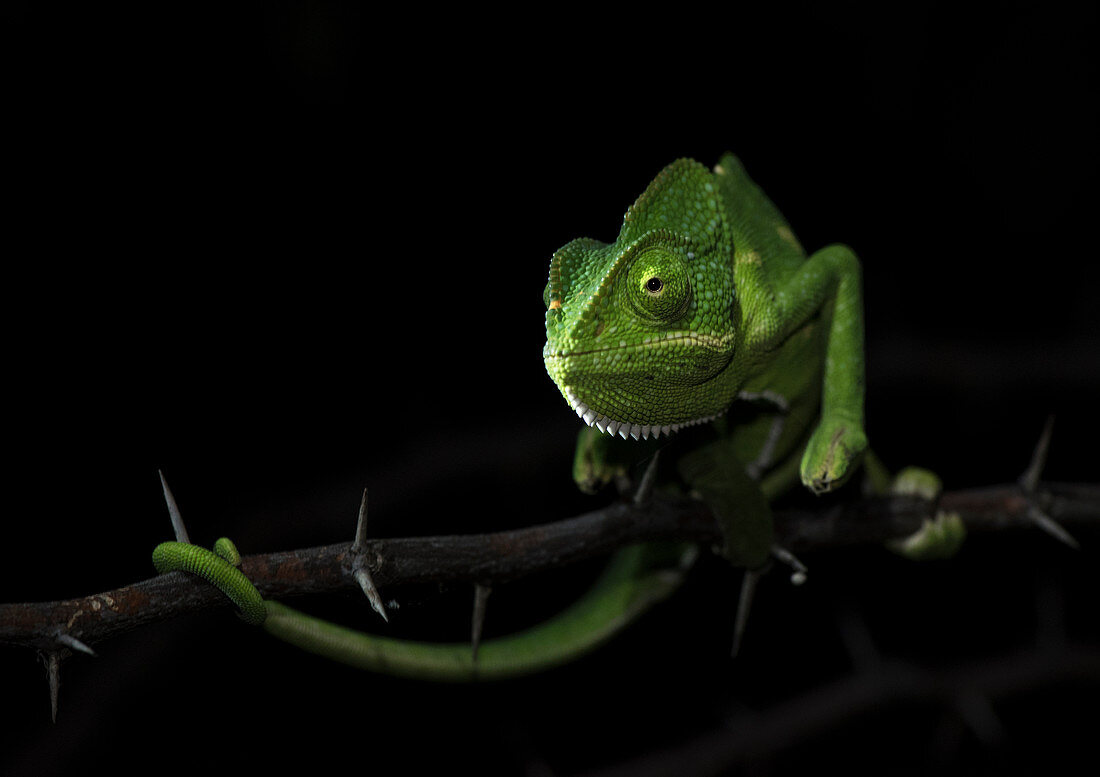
(659, 286)
(644, 340)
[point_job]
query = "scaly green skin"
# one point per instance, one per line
(704, 309)
(218, 568)
(693, 304)
(704, 299)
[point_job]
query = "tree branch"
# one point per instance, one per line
(489, 558)
(759, 736)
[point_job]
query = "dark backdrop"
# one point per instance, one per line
(283, 252)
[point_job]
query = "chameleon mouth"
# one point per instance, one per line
(624, 428)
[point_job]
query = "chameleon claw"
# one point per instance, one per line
(481, 599)
(939, 537)
(359, 565)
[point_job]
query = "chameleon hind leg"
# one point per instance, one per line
(938, 537)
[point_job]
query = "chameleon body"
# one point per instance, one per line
(705, 312)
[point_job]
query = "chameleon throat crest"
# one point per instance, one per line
(625, 429)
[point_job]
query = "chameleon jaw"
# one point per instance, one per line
(623, 428)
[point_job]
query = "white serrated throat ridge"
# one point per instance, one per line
(624, 428)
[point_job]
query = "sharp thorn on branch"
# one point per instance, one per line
(173, 511)
(1029, 480)
(69, 641)
(361, 526)
(858, 642)
(979, 716)
(362, 576)
(481, 599)
(359, 564)
(53, 676)
(645, 487)
(1051, 527)
(744, 604)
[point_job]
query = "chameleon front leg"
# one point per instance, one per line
(600, 459)
(720, 478)
(717, 475)
(827, 282)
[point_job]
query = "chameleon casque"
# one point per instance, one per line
(706, 313)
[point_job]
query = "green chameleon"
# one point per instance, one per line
(704, 313)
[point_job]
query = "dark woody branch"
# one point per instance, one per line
(61, 626)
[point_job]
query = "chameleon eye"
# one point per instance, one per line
(658, 285)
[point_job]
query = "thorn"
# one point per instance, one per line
(798, 573)
(1051, 527)
(980, 717)
(1029, 480)
(645, 488)
(53, 674)
(744, 604)
(361, 526)
(1029, 483)
(69, 641)
(362, 575)
(481, 599)
(173, 511)
(359, 565)
(857, 640)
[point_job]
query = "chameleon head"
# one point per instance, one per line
(639, 333)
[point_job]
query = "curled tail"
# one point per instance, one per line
(635, 579)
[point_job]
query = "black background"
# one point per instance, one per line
(283, 252)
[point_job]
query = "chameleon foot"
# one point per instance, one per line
(833, 454)
(938, 538)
